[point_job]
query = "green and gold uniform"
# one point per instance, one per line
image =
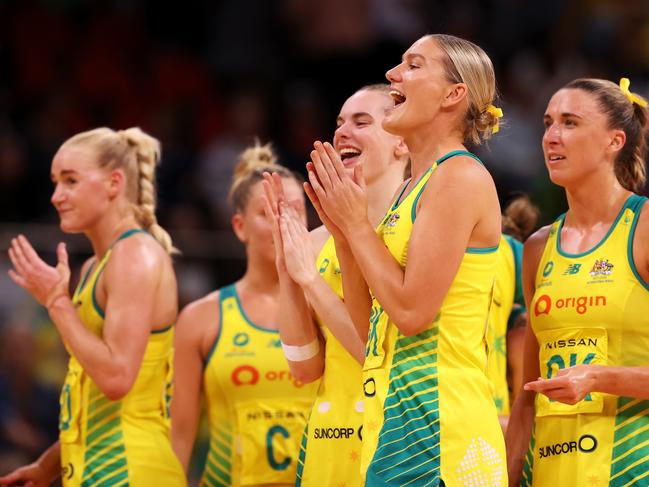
(507, 305)
(123, 442)
(257, 411)
(331, 449)
(591, 308)
(429, 412)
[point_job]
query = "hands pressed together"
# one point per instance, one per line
(293, 250)
(337, 196)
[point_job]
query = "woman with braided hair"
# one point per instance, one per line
(114, 427)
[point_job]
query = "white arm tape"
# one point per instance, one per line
(300, 353)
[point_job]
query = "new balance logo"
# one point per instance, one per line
(572, 269)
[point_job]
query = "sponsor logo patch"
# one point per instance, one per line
(585, 444)
(392, 220)
(547, 270)
(602, 267)
(544, 304)
(249, 375)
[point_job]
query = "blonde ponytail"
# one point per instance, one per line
(147, 153)
(138, 154)
(466, 62)
(253, 162)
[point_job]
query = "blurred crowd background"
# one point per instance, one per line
(206, 78)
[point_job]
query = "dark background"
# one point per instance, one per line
(206, 78)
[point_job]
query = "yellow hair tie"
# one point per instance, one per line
(497, 113)
(633, 98)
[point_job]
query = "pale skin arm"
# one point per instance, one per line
(571, 385)
(191, 346)
(521, 419)
(297, 328)
(111, 361)
(296, 324)
(406, 294)
(515, 348)
(41, 473)
(320, 296)
(355, 289)
(298, 261)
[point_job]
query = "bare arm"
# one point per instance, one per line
(405, 294)
(302, 286)
(515, 347)
(356, 291)
(296, 324)
(622, 381)
(41, 473)
(521, 420)
(298, 328)
(191, 346)
(515, 350)
(357, 295)
(113, 360)
(571, 385)
(326, 303)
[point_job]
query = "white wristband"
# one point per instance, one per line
(300, 353)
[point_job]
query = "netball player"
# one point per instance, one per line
(114, 427)
(585, 281)
(228, 350)
(429, 416)
(332, 445)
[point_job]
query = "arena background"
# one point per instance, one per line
(206, 78)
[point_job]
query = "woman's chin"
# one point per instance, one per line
(392, 124)
(68, 227)
(560, 179)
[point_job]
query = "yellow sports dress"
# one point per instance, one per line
(123, 442)
(507, 305)
(591, 308)
(429, 414)
(331, 448)
(257, 411)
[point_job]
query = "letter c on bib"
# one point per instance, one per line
(275, 465)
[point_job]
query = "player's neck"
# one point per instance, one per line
(110, 227)
(261, 276)
(590, 206)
